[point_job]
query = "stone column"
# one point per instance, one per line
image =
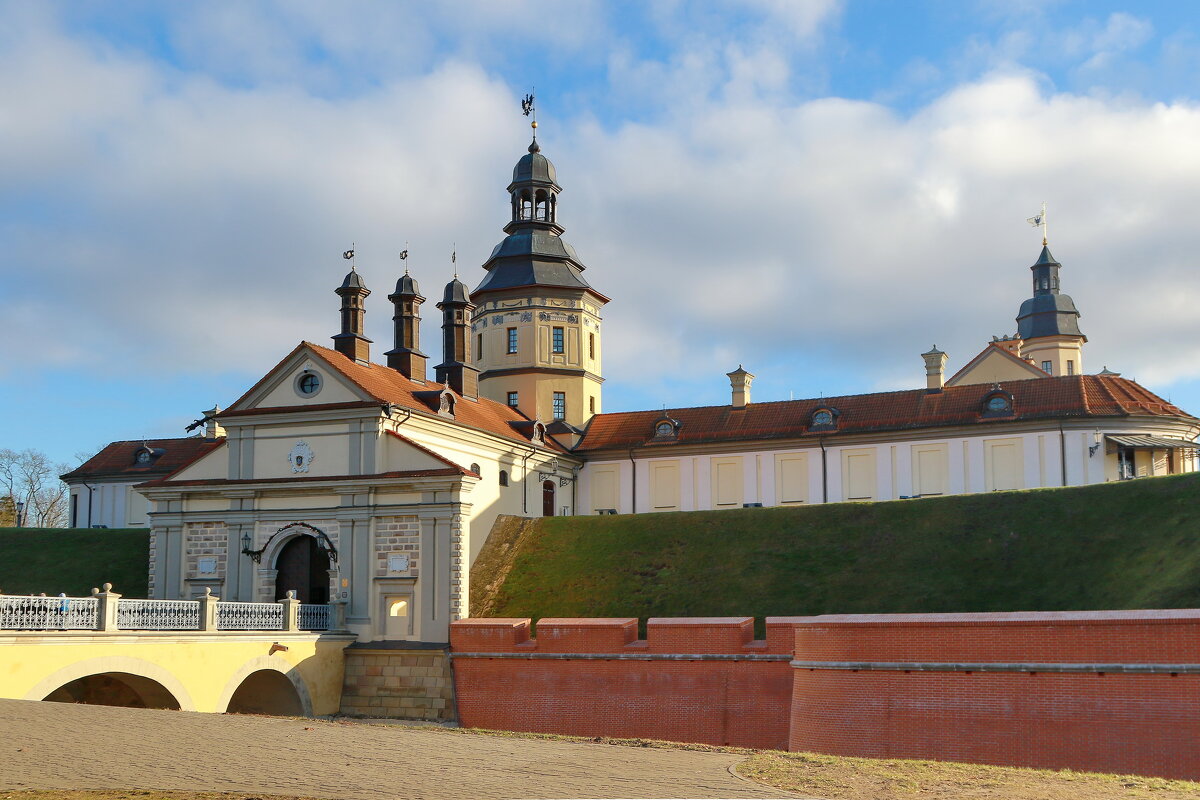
(106, 612)
(208, 610)
(291, 612)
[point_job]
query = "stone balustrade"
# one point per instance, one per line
(107, 611)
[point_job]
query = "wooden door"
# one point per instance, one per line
(548, 499)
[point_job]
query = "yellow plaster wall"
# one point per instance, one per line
(930, 469)
(1004, 464)
(214, 466)
(992, 368)
(858, 474)
(201, 670)
(331, 453)
(791, 478)
(1057, 350)
(728, 482)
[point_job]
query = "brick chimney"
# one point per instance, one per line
(935, 369)
(739, 381)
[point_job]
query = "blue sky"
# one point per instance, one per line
(816, 190)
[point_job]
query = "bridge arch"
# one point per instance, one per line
(154, 685)
(261, 686)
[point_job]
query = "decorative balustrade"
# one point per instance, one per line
(158, 615)
(250, 617)
(49, 613)
(314, 617)
(108, 611)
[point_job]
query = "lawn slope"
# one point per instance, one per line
(1133, 544)
(73, 561)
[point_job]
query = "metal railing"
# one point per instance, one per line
(49, 613)
(108, 611)
(314, 617)
(250, 617)
(158, 615)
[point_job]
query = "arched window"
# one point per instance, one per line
(504, 477)
(475, 468)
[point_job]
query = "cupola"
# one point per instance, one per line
(406, 356)
(351, 342)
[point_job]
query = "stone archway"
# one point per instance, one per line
(303, 565)
(115, 689)
(136, 673)
(274, 664)
(266, 691)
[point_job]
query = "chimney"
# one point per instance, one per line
(935, 369)
(406, 357)
(212, 428)
(456, 369)
(740, 381)
(351, 342)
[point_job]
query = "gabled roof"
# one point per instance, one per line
(386, 385)
(1068, 396)
(118, 459)
(991, 351)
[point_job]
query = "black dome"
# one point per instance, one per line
(534, 167)
(407, 286)
(456, 292)
(353, 281)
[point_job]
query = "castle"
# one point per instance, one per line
(376, 484)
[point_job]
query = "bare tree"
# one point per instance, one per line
(30, 477)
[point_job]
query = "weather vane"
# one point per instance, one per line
(404, 257)
(1039, 221)
(454, 258)
(528, 109)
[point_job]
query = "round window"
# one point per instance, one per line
(664, 429)
(308, 384)
(823, 417)
(143, 457)
(998, 403)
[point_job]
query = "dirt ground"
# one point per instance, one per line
(50, 746)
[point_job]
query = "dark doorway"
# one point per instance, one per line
(548, 499)
(115, 689)
(266, 692)
(302, 565)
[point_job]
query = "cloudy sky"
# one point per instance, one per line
(818, 189)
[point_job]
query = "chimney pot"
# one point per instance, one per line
(935, 369)
(739, 381)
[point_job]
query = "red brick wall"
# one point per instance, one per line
(737, 702)
(1098, 719)
(984, 688)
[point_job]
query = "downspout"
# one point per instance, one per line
(525, 481)
(89, 488)
(824, 473)
(1062, 452)
(633, 469)
(574, 486)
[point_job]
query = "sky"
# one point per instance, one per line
(818, 190)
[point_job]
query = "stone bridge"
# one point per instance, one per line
(194, 655)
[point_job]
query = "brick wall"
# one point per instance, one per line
(1094, 691)
(1068, 689)
(693, 680)
(398, 684)
(398, 536)
(206, 540)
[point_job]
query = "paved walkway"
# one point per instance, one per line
(63, 746)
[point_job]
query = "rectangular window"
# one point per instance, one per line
(478, 346)
(591, 405)
(1048, 367)
(74, 511)
(592, 346)
(560, 404)
(512, 399)
(1070, 367)
(512, 340)
(556, 341)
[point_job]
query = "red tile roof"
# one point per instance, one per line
(1037, 398)
(117, 460)
(387, 385)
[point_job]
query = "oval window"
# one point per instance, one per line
(998, 403)
(664, 429)
(823, 417)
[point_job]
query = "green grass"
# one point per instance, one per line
(1122, 545)
(73, 560)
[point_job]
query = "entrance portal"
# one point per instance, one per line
(304, 566)
(548, 499)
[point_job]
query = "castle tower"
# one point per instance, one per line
(537, 321)
(1048, 322)
(351, 342)
(406, 356)
(456, 369)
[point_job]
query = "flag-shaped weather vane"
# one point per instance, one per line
(349, 255)
(1039, 221)
(528, 109)
(404, 257)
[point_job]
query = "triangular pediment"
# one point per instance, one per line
(401, 454)
(993, 365)
(302, 379)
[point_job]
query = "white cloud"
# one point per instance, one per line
(166, 221)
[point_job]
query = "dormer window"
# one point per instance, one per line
(143, 456)
(823, 418)
(539, 433)
(998, 403)
(446, 403)
(666, 429)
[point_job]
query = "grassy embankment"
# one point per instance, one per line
(73, 560)
(1134, 544)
